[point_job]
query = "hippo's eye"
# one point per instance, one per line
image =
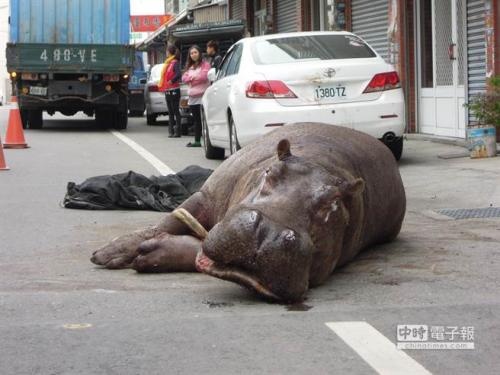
(288, 235)
(335, 205)
(271, 176)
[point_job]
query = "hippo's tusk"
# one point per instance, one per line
(185, 217)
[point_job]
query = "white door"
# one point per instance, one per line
(441, 47)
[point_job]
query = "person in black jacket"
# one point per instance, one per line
(213, 56)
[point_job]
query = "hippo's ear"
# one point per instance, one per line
(283, 149)
(353, 187)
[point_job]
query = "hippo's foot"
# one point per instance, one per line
(121, 252)
(167, 253)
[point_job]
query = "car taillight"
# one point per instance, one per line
(383, 81)
(269, 90)
(153, 88)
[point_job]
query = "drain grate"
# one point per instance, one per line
(471, 213)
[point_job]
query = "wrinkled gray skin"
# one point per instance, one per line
(282, 213)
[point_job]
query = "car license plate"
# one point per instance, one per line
(136, 91)
(36, 90)
(330, 92)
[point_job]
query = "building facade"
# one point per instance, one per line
(443, 50)
(197, 23)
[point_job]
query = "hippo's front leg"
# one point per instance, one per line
(168, 253)
(122, 251)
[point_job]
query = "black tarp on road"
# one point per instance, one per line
(134, 191)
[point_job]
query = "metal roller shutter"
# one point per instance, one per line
(370, 20)
(237, 10)
(287, 16)
(476, 49)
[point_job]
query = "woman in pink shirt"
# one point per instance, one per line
(195, 76)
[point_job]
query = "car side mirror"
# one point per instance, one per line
(212, 74)
(143, 81)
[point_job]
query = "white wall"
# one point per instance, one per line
(4, 37)
(147, 7)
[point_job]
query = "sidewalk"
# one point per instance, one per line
(433, 180)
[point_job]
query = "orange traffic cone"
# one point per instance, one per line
(15, 134)
(3, 166)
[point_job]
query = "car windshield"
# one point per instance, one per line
(138, 65)
(155, 73)
(309, 47)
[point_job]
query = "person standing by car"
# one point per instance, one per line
(195, 76)
(213, 54)
(170, 83)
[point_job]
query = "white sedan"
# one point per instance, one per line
(272, 80)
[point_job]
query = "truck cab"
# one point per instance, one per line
(70, 56)
(136, 105)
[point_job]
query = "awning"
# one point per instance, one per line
(211, 30)
(159, 36)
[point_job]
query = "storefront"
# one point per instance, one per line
(444, 51)
(442, 62)
(226, 33)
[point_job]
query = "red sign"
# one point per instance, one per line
(148, 23)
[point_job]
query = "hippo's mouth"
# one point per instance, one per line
(206, 265)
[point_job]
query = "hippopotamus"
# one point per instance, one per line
(279, 216)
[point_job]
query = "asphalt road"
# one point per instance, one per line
(59, 314)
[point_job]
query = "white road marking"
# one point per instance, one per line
(77, 325)
(150, 158)
(376, 349)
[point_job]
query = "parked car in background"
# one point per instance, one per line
(156, 104)
(272, 80)
(153, 97)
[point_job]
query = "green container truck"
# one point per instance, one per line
(69, 58)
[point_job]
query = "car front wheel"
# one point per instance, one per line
(234, 145)
(211, 152)
(150, 119)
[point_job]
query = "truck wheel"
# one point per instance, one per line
(24, 118)
(121, 120)
(104, 118)
(35, 119)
